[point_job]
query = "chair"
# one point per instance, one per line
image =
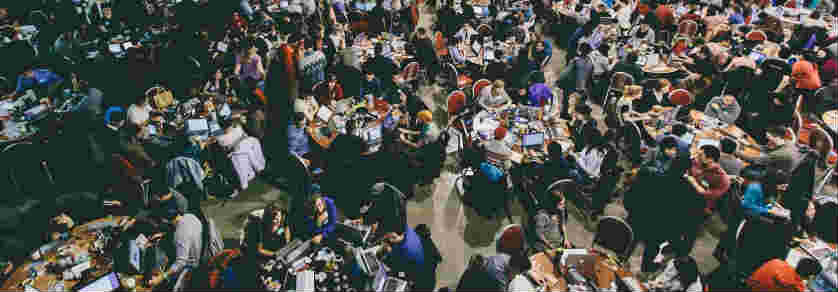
(618, 81)
(756, 35)
(127, 181)
(680, 97)
(821, 141)
(688, 28)
(37, 18)
(614, 235)
(554, 192)
(478, 86)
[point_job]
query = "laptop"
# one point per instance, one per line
(197, 127)
(534, 140)
(293, 251)
(367, 260)
(392, 284)
(108, 282)
(362, 231)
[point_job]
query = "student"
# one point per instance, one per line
(778, 275)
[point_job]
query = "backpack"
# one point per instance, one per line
(492, 172)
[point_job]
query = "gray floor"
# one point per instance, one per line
(457, 230)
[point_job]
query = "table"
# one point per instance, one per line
(748, 144)
(81, 239)
(524, 121)
(596, 268)
(397, 52)
(382, 109)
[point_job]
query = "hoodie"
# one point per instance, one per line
(806, 75)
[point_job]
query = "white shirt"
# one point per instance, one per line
(591, 160)
(138, 115)
(520, 284)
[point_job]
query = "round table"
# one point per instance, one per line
(81, 239)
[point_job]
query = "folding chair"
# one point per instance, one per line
(615, 236)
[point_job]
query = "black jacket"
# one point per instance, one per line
(582, 133)
(425, 52)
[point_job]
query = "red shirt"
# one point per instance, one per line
(665, 15)
(717, 182)
(776, 275)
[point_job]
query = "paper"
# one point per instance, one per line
(127, 45)
(711, 142)
(115, 48)
(324, 113)
(652, 60)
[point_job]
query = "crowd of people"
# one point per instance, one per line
(321, 98)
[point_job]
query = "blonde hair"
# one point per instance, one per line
(497, 87)
(425, 116)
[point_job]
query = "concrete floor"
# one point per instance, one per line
(457, 230)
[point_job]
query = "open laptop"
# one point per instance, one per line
(106, 283)
(533, 141)
(367, 260)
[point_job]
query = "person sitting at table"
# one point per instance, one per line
(725, 108)
(466, 33)
(45, 82)
(549, 229)
(131, 146)
(537, 56)
(186, 237)
(331, 92)
(266, 239)
(219, 85)
(642, 34)
(425, 52)
(779, 275)
(499, 67)
(665, 157)
(382, 66)
(233, 133)
(760, 192)
(590, 159)
(320, 219)
(731, 164)
(498, 152)
(139, 112)
(457, 48)
(679, 132)
(778, 153)
(655, 93)
(428, 134)
(494, 97)
(583, 127)
(706, 171)
(249, 66)
(539, 94)
(371, 85)
(629, 65)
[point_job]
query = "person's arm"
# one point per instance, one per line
(719, 188)
(260, 67)
(237, 70)
(338, 92)
(753, 200)
(332, 221)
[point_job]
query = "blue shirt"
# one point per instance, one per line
(736, 18)
(41, 77)
(297, 140)
(410, 250)
(754, 200)
(328, 227)
(539, 94)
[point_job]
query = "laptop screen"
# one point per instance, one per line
(106, 283)
(529, 140)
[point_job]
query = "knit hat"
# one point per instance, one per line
(425, 116)
(500, 133)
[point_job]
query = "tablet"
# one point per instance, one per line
(108, 282)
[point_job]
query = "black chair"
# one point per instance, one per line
(615, 236)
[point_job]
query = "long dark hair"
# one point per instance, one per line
(268, 217)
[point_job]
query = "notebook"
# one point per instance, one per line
(293, 251)
(197, 127)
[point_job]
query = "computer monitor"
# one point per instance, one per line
(106, 283)
(532, 140)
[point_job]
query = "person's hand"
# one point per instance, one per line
(155, 280)
(317, 239)
(783, 187)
